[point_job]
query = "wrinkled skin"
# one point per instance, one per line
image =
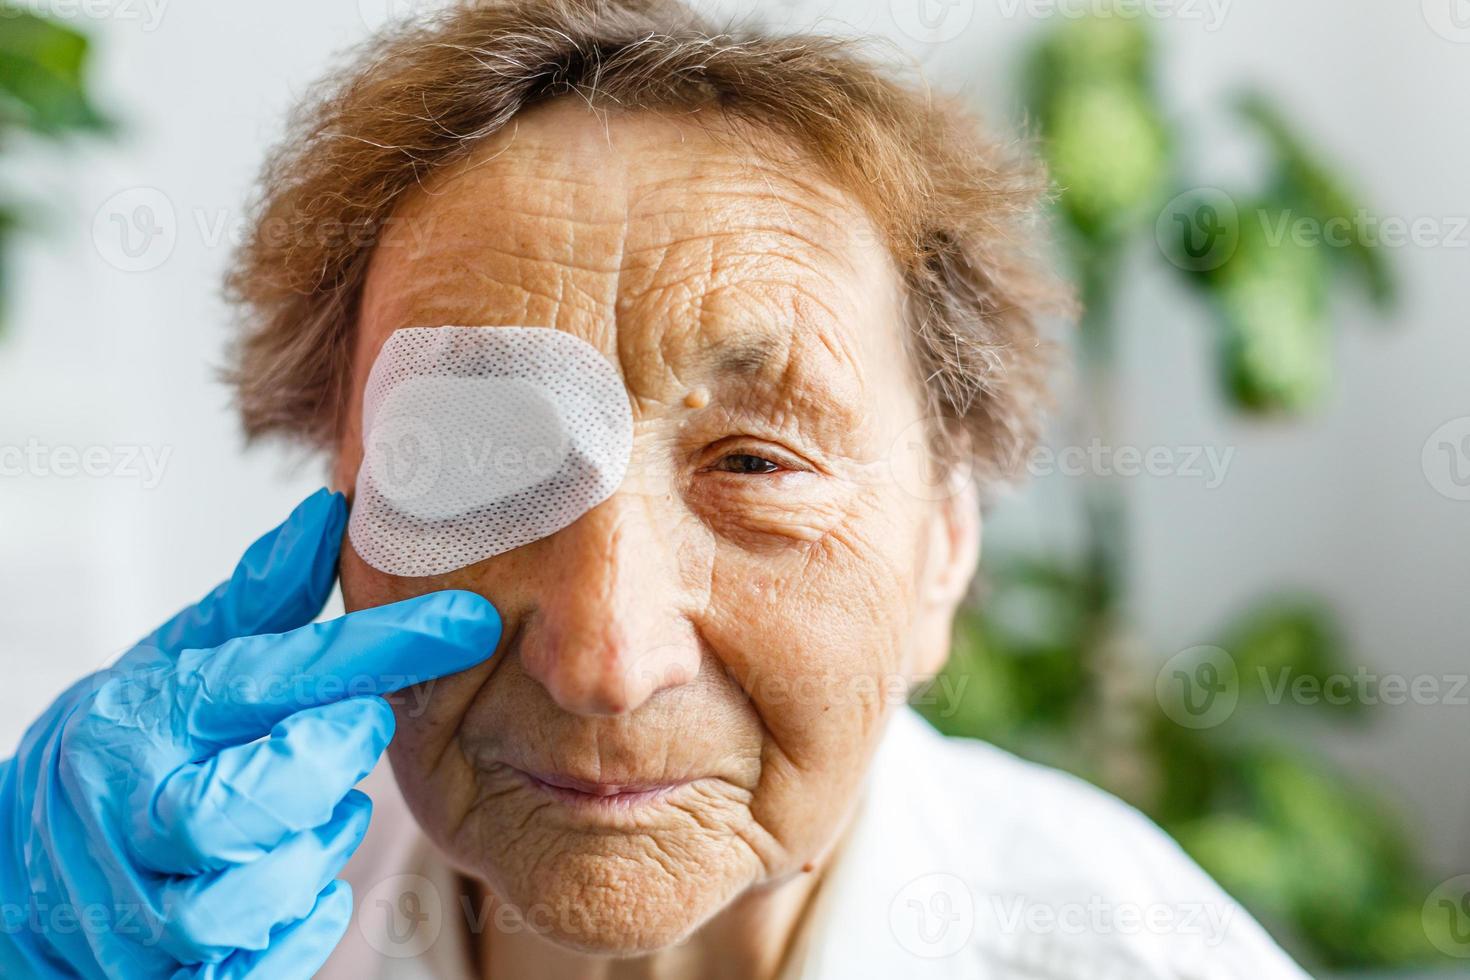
(744, 634)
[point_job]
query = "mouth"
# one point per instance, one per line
(595, 796)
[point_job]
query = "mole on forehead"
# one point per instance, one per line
(797, 368)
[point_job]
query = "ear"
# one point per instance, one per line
(951, 560)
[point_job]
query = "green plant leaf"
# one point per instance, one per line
(42, 91)
(58, 49)
(1081, 51)
(1276, 350)
(1291, 645)
(41, 75)
(1108, 150)
(1321, 194)
(51, 104)
(1088, 84)
(1248, 857)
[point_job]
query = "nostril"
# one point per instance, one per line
(598, 672)
(591, 700)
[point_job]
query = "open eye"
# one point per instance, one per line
(745, 463)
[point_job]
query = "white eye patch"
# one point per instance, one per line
(478, 440)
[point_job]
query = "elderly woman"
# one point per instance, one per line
(676, 744)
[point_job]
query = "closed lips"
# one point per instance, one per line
(571, 787)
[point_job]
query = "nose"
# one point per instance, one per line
(612, 628)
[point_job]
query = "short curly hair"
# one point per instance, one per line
(957, 208)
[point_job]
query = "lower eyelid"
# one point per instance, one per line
(780, 477)
(766, 514)
(755, 498)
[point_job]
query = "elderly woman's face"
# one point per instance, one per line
(694, 674)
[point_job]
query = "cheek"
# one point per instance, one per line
(818, 634)
(435, 780)
(827, 609)
(364, 586)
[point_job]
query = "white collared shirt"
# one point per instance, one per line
(964, 863)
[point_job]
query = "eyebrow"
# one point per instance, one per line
(742, 357)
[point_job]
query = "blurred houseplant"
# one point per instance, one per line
(43, 95)
(1053, 670)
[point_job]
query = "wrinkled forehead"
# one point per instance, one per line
(672, 245)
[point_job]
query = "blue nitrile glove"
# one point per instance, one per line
(184, 812)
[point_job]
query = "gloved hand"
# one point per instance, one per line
(184, 812)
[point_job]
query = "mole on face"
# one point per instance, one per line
(698, 398)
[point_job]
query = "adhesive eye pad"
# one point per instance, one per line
(478, 440)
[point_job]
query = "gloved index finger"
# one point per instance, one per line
(240, 690)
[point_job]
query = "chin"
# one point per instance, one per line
(615, 896)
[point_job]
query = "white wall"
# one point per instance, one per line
(1340, 504)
